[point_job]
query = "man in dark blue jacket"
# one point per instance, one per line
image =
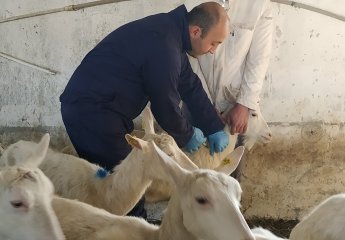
(143, 61)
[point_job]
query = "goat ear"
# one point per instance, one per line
(170, 168)
(136, 142)
(39, 152)
(230, 163)
(147, 121)
(68, 150)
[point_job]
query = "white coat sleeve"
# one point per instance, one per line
(257, 61)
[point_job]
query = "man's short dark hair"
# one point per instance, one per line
(203, 17)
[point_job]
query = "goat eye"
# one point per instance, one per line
(30, 176)
(254, 115)
(16, 204)
(201, 200)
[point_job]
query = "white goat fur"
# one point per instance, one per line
(81, 221)
(26, 203)
(325, 222)
(205, 206)
(257, 130)
(75, 178)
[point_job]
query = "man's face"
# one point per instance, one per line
(210, 42)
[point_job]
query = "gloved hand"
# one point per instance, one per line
(218, 142)
(197, 139)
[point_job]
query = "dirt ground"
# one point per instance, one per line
(281, 228)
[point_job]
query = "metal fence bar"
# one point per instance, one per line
(62, 9)
(31, 65)
(311, 8)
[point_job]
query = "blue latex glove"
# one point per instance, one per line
(195, 142)
(218, 142)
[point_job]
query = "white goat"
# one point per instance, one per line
(26, 203)
(159, 191)
(257, 130)
(75, 178)
(205, 206)
(325, 222)
(81, 221)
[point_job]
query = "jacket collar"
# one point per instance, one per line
(179, 16)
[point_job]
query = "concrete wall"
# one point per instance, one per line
(303, 96)
(304, 101)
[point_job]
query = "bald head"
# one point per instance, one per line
(209, 25)
(207, 15)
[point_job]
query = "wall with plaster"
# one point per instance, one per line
(303, 95)
(303, 99)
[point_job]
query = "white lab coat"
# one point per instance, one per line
(240, 63)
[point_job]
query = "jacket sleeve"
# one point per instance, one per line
(257, 60)
(193, 94)
(161, 72)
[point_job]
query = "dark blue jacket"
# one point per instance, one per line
(143, 61)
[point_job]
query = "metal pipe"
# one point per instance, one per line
(62, 9)
(34, 66)
(101, 2)
(311, 8)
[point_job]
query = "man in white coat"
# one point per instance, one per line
(239, 65)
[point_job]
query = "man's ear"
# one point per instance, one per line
(194, 31)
